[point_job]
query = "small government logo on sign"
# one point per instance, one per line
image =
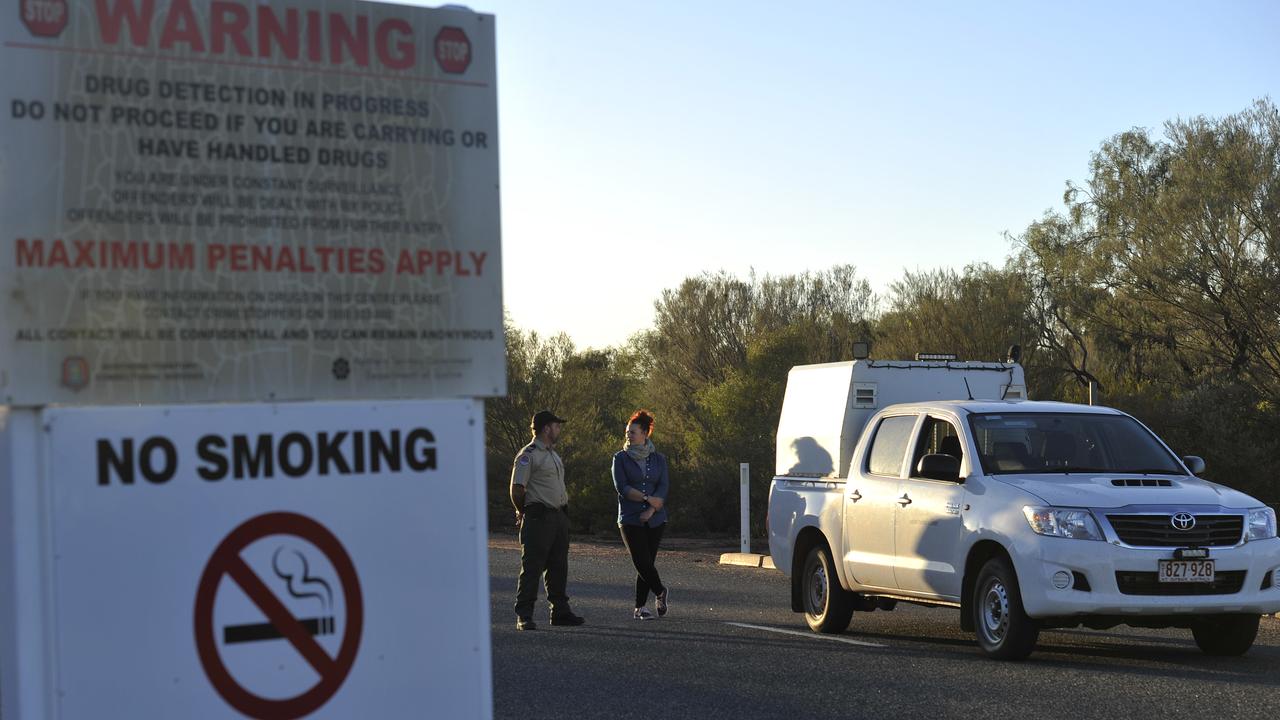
(44, 18)
(75, 372)
(453, 50)
(341, 368)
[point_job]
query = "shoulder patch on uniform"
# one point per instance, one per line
(524, 459)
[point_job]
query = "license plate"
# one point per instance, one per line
(1183, 571)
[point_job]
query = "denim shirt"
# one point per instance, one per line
(649, 476)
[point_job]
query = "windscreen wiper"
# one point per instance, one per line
(1147, 471)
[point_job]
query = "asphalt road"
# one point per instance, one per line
(731, 648)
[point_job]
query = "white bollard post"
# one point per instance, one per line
(744, 473)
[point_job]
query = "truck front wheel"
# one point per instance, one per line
(828, 607)
(1226, 634)
(1003, 628)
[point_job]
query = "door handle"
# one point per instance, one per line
(855, 496)
(904, 500)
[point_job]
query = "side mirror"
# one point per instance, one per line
(939, 467)
(1194, 463)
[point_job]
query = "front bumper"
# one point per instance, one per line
(1099, 561)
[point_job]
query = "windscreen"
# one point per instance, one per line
(1067, 443)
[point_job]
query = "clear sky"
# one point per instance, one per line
(645, 142)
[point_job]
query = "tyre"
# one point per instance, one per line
(828, 607)
(1004, 631)
(1226, 635)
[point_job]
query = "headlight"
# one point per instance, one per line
(1064, 522)
(1261, 524)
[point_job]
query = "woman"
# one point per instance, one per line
(640, 476)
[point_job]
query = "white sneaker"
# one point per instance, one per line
(642, 613)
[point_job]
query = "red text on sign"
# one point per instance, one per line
(230, 28)
(93, 254)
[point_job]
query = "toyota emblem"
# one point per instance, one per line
(1183, 521)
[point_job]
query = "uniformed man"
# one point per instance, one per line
(542, 513)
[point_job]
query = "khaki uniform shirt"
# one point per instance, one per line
(539, 469)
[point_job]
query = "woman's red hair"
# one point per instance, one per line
(644, 420)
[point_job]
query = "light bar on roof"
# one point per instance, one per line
(935, 356)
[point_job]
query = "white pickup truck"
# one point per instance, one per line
(1023, 515)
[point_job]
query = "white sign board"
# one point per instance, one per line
(276, 561)
(247, 201)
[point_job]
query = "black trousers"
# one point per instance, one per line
(544, 557)
(642, 542)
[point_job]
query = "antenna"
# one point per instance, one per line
(966, 388)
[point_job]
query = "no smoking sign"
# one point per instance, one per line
(278, 616)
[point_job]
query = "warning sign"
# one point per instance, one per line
(248, 201)
(275, 585)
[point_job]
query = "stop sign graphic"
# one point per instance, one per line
(453, 50)
(44, 18)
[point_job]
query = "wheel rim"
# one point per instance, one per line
(818, 591)
(994, 613)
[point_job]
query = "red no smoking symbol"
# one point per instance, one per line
(227, 561)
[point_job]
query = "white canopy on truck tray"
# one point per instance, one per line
(826, 405)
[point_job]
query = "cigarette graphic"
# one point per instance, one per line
(266, 631)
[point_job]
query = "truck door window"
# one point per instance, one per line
(889, 445)
(937, 437)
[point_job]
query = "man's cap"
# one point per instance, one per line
(543, 418)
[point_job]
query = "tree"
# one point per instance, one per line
(715, 367)
(976, 314)
(592, 390)
(534, 369)
(1161, 280)
(1166, 260)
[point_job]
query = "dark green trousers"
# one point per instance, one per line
(544, 556)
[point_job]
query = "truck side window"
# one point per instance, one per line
(937, 437)
(889, 445)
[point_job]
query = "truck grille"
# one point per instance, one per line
(1158, 531)
(1131, 582)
